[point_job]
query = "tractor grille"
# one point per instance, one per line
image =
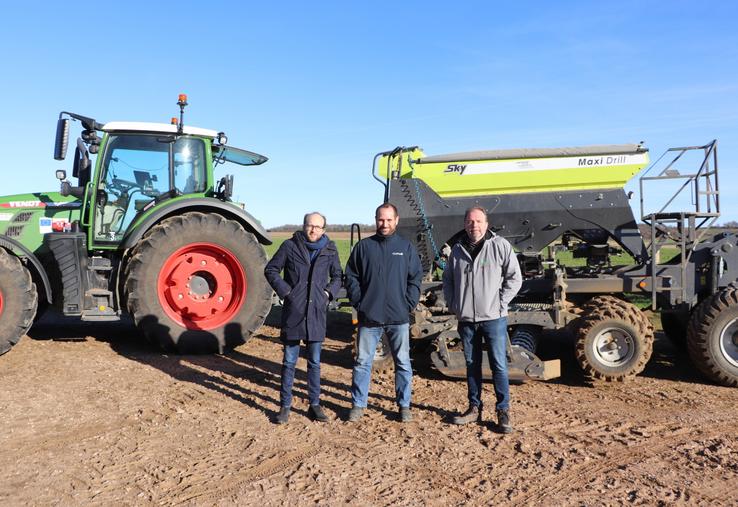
(14, 231)
(22, 217)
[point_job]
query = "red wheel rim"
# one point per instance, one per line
(1, 302)
(202, 286)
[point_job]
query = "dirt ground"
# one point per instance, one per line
(111, 421)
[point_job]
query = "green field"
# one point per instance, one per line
(623, 259)
(341, 244)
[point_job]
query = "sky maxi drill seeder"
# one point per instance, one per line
(548, 200)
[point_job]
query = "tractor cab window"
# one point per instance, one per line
(189, 165)
(136, 171)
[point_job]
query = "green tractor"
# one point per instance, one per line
(145, 229)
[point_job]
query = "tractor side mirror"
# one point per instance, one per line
(61, 175)
(225, 187)
(62, 139)
(81, 166)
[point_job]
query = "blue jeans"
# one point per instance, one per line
(291, 353)
(398, 337)
(494, 333)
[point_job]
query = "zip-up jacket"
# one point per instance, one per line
(481, 289)
(303, 286)
(383, 278)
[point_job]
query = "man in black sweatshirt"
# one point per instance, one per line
(383, 277)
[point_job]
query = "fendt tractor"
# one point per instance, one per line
(146, 229)
(549, 201)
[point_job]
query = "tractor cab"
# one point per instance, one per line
(139, 166)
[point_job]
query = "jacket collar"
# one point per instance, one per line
(299, 239)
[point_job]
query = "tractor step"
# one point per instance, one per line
(88, 317)
(103, 309)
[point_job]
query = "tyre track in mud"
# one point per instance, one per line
(263, 470)
(191, 395)
(582, 474)
(150, 429)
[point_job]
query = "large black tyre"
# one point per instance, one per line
(195, 284)
(18, 300)
(614, 339)
(383, 361)
(712, 337)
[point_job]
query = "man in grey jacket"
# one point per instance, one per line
(481, 278)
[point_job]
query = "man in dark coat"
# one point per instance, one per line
(311, 279)
(383, 278)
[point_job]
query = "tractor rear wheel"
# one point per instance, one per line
(712, 337)
(614, 339)
(18, 300)
(195, 284)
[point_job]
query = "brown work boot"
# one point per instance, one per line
(315, 412)
(472, 414)
(355, 414)
(283, 416)
(503, 421)
(405, 414)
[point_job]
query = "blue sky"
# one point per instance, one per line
(321, 87)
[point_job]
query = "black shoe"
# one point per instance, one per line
(405, 414)
(355, 414)
(283, 416)
(503, 421)
(315, 412)
(471, 415)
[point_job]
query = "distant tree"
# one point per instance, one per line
(330, 228)
(731, 225)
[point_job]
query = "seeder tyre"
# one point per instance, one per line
(614, 339)
(712, 337)
(18, 300)
(195, 284)
(383, 362)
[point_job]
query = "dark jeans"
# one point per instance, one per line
(494, 333)
(291, 353)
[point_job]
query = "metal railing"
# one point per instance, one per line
(685, 228)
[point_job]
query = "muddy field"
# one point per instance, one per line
(110, 421)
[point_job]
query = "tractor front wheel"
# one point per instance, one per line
(712, 337)
(195, 284)
(18, 300)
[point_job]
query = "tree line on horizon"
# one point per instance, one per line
(329, 228)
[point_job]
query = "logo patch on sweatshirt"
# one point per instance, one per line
(398, 253)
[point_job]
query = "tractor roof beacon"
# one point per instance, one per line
(147, 229)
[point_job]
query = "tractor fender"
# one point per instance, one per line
(22, 252)
(201, 204)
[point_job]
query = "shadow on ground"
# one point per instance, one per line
(232, 374)
(237, 374)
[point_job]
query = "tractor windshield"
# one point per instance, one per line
(140, 168)
(237, 156)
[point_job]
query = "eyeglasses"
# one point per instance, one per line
(316, 227)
